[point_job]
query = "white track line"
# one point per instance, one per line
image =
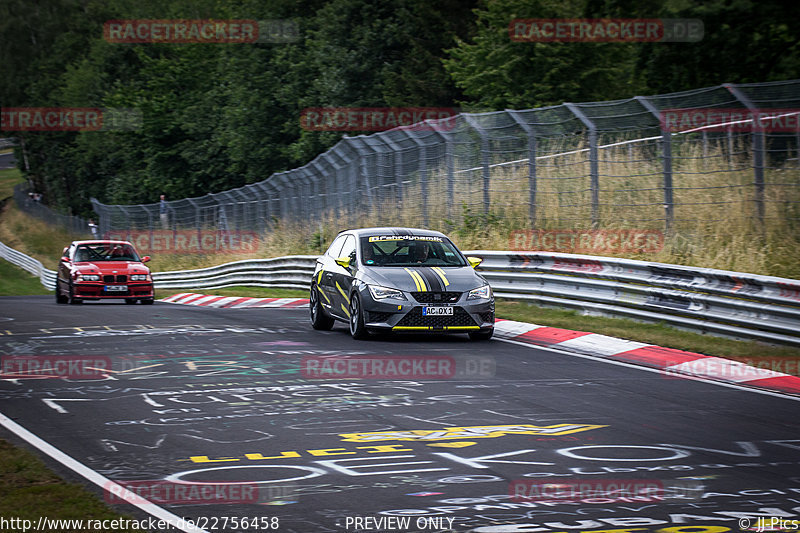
(103, 482)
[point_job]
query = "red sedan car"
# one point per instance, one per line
(91, 270)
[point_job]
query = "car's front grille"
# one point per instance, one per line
(110, 278)
(458, 318)
(436, 297)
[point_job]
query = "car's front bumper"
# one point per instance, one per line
(97, 290)
(396, 315)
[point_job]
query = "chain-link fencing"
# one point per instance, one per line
(31, 204)
(665, 162)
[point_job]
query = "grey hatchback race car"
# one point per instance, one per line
(400, 280)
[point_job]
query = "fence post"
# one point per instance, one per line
(397, 165)
(484, 159)
(758, 151)
(102, 216)
(360, 147)
(423, 174)
(321, 197)
(532, 185)
(593, 161)
(797, 139)
(197, 221)
(666, 154)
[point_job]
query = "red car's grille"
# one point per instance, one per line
(110, 278)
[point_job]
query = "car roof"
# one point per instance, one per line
(394, 230)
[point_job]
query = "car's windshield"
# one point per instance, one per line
(101, 251)
(409, 250)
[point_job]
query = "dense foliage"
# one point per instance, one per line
(218, 116)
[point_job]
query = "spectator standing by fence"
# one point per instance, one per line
(93, 228)
(163, 212)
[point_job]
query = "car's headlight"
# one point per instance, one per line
(481, 293)
(88, 277)
(138, 277)
(379, 293)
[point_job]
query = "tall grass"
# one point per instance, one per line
(715, 218)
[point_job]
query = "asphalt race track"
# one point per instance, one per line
(234, 400)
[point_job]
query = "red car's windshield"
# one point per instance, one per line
(105, 252)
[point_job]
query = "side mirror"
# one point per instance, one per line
(145, 259)
(474, 261)
(65, 259)
(343, 262)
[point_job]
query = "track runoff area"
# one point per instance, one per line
(246, 419)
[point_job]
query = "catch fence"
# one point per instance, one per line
(27, 203)
(616, 164)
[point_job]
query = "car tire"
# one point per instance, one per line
(72, 299)
(130, 301)
(319, 320)
(147, 301)
(357, 328)
(482, 335)
(60, 298)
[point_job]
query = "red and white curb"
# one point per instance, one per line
(235, 302)
(673, 363)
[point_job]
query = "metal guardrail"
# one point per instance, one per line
(290, 272)
(47, 276)
(714, 301)
(735, 304)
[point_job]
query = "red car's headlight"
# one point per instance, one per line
(88, 277)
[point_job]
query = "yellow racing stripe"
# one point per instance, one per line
(441, 275)
(417, 279)
(341, 291)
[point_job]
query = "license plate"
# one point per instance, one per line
(116, 288)
(437, 311)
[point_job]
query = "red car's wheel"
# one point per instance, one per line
(60, 298)
(72, 299)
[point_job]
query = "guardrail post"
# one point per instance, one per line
(484, 159)
(532, 185)
(758, 151)
(666, 154)
(594, 173)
